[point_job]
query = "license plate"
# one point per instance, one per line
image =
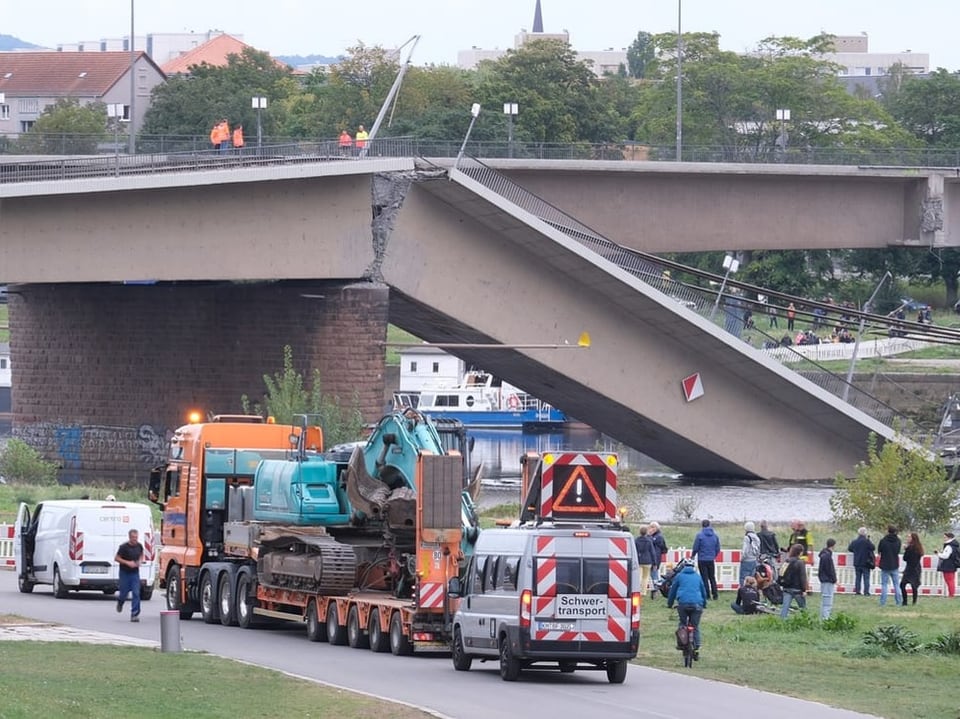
(556, 626)
(96, 570)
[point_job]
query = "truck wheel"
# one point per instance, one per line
(173, 592)
(245, 604)
(379, 640)
(59, 590)
(355, 636)
(461, 660)
(24, 585)
(336, 634)
(509, 665)
(228, 613)
(616, 671)
(146, 593)
(400, 646)
(208, 600)
(315, 632)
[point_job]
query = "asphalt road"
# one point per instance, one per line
(428, 681)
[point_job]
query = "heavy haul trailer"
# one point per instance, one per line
(258, 522)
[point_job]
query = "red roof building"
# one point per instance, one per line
(213, 52)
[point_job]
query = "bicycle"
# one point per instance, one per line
(685, 643)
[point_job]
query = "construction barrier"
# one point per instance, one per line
(6, 546)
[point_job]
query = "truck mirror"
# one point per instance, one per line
(153, 488)
(454, 588)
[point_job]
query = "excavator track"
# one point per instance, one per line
(294, 558)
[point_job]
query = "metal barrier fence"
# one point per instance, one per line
(6, 546)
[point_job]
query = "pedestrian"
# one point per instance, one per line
(238, 137)
(360, 141)
(215, 136)
(128, 557)
(661, 547)
(749, 552)
(912, 556)
(889, 550)
(690, 594)
(793, 581)
(646, 556)
(863, 561)
(800, 535)
(791, 316)
(773, 316)
(345, 142)
(706, 547)
(748, 597)
(220, 135)
(768, 540)
(949, 561)
(827, 576)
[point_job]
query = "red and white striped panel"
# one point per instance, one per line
(75, 548)
(546, 579)
(619, 579)
(148, 547)
(431, 595)
(6, 546)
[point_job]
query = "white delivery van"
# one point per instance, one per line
(545, 593)
(70, 544)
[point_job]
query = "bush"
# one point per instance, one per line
(946, 643)
(21, 463)
(839, 622)
(685, 508)
(893, 638)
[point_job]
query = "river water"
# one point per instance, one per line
(666, 497)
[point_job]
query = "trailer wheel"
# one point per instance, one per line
(355, 636)
(336, 634)
(616, 671)
(400, 646)
(244, 603)
(315, 633)
(461, 660)
(173, 592)
(228, 609)
(379, 640)
(208, 601)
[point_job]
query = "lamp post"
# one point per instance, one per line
(783, 115)
(679, 81)
(115, 113)
(867, 307)
(474, 112)
(731, 264)
(133, 86)
(510, 109)
(259, 104)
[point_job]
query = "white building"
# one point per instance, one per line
(162, 47)
(5, 373)
(852, 54)
(426, 368)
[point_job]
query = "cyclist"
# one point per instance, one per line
(690, 594)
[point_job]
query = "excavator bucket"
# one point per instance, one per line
(366, 494)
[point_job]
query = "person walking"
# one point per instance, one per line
(912, 556)
(360, 141)
(949, 561)
(768, 540)
(345, 142)
(749, 553)
(238, 137)
(827, 576)
(889, 550)
(706, 547)
(793, 581)
(690, 594)
(863, 561)
(660, 544)
(791, 316)
(128, 557)
(646, 556)
(772, 310)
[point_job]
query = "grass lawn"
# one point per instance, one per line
(59, 680)
(395, 334)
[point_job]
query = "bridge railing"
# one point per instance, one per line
(656, 274)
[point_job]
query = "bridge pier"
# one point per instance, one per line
(102, 373)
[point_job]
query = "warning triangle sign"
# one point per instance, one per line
(580, 494)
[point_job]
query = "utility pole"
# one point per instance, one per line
(679, 81)
(133, 86)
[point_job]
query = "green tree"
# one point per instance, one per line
(896, 485)
(641, 55)
(929, 108)
(67, 127)
(287, 396)
(21, 463)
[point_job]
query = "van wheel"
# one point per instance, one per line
(616, 672)
(173, 592)
(509, 664)
(379, 639)
(400, 646)
(59, 590)
(245, 604)
(355, 636)
(336, 634)
(228, 614)
(208, 601)
(24, 585)
(315, 633)
(146, 593)
(461, 660)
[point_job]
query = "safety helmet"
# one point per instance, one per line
(688, 562)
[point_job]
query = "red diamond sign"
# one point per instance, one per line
(692, 387)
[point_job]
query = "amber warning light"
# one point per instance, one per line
(194, 417)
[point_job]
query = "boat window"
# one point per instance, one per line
(436, 367)
(413, 366)
(447, 400)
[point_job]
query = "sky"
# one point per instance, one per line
(303, 27)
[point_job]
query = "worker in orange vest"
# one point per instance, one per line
(238, 137)
(346, 142)
(220, 135)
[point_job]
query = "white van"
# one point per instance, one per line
(567, 596)
(71, 543)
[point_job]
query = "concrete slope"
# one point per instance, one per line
(466, 265)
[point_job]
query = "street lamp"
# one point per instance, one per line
(783, 115)
(474, 112)
(510, 109)
(115, 113)
(679, 81)
(867, 308)
(133, 85)
(258, 104)
(731, 264)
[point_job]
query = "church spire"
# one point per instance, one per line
(538, 19)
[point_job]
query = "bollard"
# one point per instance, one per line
(170, 631)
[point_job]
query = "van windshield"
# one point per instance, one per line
(582, 576)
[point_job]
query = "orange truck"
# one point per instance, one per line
(258, 522)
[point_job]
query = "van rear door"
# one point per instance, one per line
(20, 526)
